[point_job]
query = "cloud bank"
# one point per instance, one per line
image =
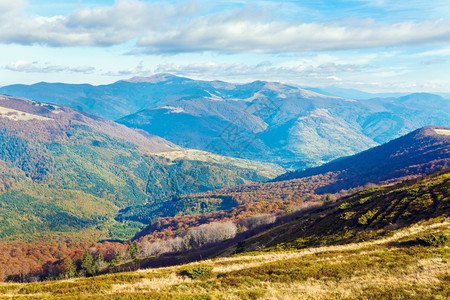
(35, 67)
(163, 28)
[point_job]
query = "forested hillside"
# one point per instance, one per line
(238, 213)
(68, 172)
(366, 215)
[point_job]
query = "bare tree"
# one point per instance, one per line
(258, 220)
(197, 237)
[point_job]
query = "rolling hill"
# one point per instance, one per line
(367, 215)
(266, 121)
(67, 173)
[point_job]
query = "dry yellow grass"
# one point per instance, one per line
(244, 260)
(417, 276)
(17, 115)
(442, 131)
(148, 284)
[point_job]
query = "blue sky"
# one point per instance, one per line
(374, 46)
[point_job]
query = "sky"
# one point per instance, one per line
(373, 46)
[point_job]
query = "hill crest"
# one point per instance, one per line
(422, 151)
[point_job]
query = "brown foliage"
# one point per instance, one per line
(30, 262)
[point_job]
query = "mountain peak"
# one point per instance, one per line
(435, 131)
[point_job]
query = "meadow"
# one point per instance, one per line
(405, 265)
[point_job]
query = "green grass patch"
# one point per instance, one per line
(200, 272)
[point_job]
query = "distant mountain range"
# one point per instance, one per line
(352, 93)
(66, 173)
(272, 122)
(360, 95)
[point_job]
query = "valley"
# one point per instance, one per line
(64, 171)
(221, 150)
(96, 208)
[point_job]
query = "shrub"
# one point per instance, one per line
(344, 205)
(364, 200)
(364, 219)
(196, 272)
(70, 270)
(433, 239)
(347, 215)
(88, 265)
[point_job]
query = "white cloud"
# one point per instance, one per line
(235, 71)
(11, 8)
(163, 28)
(316, 71)
(35, 67)
(226, 34)
(102, 26)
(434, 52)
(139, 70)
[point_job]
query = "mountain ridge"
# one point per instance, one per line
(246, 120)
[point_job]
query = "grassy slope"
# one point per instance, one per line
(369, 214)
(381, 269)
(318, 261)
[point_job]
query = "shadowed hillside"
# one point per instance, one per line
(418, 152)
(369, 214)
